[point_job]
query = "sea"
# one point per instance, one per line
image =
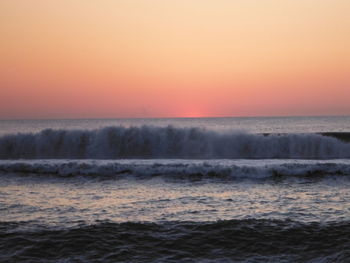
(258, 189)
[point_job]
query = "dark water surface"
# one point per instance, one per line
(200, 190)
(250, 240)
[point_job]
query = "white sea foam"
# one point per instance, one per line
(168, 142)
(179, 168)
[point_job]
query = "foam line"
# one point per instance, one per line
(177, 169)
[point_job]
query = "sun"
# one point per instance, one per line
(193, 112)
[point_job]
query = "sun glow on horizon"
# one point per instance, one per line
(159, 58)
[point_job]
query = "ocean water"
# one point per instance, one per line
(175, 190)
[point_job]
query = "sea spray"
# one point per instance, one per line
(168, 142)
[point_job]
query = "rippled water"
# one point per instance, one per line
(67, 201)
(163, 209)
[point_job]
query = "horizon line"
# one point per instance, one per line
(152, 118)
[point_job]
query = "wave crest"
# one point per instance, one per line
(167, 142)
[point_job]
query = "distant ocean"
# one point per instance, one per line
(265, 189)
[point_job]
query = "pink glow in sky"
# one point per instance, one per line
(183, 58)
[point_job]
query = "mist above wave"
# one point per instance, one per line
(167, 142)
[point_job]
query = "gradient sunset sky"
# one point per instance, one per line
(174, 58)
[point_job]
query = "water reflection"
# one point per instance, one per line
(65, 201)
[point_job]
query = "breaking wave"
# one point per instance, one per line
(177, 169)
(251, 240)
(168, 142)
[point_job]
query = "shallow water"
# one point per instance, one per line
(57, 201)
(172, 206)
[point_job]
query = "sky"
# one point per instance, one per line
(174, 58)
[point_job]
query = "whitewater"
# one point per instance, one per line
(175, 190)
(169, 142)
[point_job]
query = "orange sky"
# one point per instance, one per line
(174, 58)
